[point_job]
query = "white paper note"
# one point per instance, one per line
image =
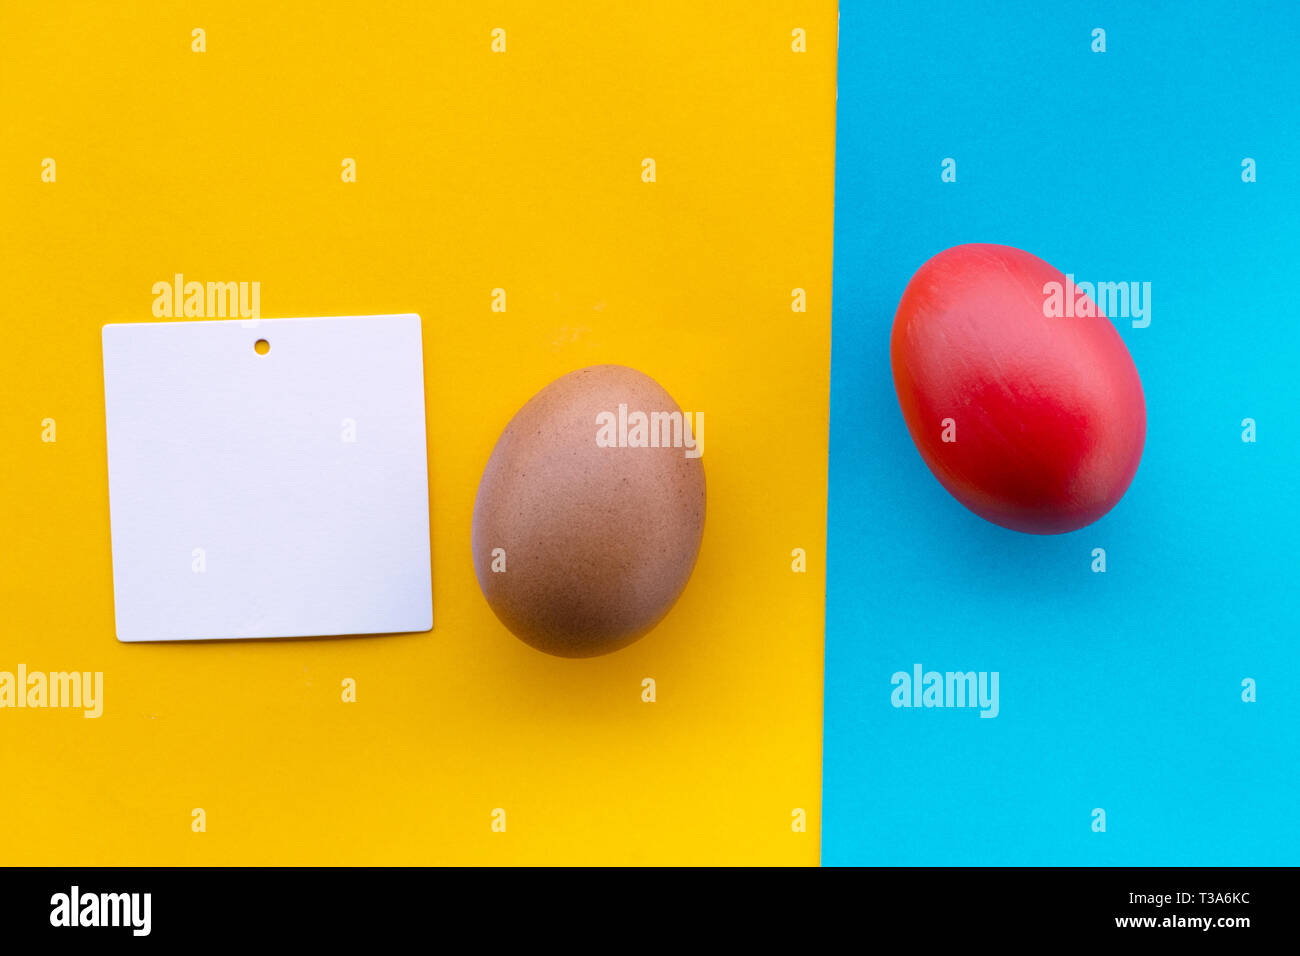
(282, 494)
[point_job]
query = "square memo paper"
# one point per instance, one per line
(267, 478)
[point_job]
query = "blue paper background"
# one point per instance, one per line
(1119, 690)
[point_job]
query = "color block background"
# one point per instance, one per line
(1122, 690)
(475, 171)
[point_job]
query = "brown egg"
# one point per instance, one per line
(590, 512)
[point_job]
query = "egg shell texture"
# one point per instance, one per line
(599, 542)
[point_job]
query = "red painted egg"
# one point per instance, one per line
(1031, 418)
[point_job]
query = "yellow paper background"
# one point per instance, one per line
(475, 171)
